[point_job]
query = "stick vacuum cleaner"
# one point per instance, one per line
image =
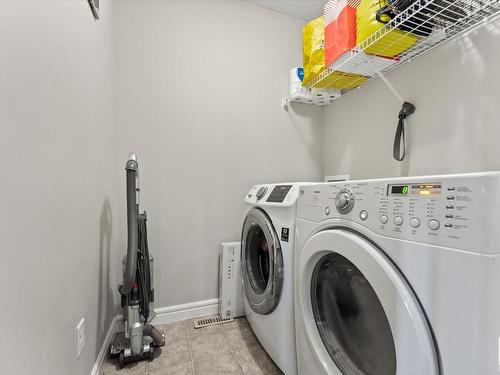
(138, 339)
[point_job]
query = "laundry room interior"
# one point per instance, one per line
(250, 187)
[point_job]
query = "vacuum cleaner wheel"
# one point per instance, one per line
(121, 360)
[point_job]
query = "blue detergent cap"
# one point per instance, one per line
(300, 73)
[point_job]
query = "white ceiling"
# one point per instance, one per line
(304, 9)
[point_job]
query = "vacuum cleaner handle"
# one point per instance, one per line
(132, 212)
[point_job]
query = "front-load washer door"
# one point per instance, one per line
(360, 315)
(262, 262)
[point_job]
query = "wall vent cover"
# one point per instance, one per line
(211, 321)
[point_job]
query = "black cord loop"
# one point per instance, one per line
(399, 148)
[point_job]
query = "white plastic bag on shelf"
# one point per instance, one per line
(296, 78)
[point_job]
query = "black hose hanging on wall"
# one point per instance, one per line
(399, 148)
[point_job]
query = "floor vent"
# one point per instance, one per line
(210, 321)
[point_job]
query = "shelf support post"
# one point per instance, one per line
(386, 81)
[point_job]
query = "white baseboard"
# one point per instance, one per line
(163, 315)
(186, 311)
(103, 353)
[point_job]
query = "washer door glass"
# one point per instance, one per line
(258, 259)
(350, 318)
(262, 262)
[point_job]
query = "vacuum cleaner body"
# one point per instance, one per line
(138, 339)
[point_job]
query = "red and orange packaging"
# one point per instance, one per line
(340, 30)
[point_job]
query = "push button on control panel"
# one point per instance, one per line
(415, 222)
(327, 211)
(363, 215)
(433, 224)
(398, 220)
(384, 219)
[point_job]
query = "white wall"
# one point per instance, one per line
(198, 98)
(456, 125)
(57, 161)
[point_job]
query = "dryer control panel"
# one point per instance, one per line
(283, 194)
(279, 193)
(457, 211)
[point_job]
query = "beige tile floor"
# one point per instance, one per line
(226, 349)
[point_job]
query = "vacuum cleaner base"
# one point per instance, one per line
(121, 349)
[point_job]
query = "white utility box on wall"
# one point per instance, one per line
(230, 287)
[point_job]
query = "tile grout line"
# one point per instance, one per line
(209, 334)
(232, 351)
(189, 346)
(259, 345)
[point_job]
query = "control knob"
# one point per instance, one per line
(262, 191)
(344, 201)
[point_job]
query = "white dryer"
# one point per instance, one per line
(399, 276)
(267, 252)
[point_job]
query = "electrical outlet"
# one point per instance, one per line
(81, 338)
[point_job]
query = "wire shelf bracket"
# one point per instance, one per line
(387, 82)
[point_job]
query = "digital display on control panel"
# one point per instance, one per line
(422, 190)
(279, 193)
(400, 189)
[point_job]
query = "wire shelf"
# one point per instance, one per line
(423, 25)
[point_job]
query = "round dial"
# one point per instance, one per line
(344, 201)
(262, 191)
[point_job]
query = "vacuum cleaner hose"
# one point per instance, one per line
(155, 334)
(132, 212)
(144, 272)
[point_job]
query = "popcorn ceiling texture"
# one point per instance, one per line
(303, 9)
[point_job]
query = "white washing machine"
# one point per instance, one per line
(399, 276)
(267, 252)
